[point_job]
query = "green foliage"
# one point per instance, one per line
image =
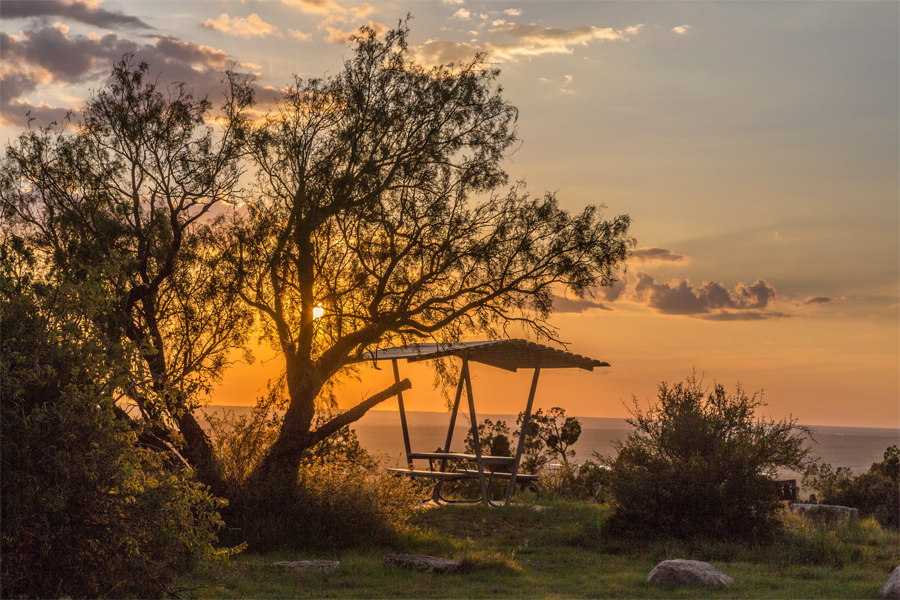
(493, 438)
(340, 497)
(700, 464)
(875, 493)
(550, 435)
(333, 502)
(85, 513)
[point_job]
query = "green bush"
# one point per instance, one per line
(85, 513)
(331, 503)
(341, 496)
(875, 493)
(700, 464)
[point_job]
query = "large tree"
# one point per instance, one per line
(382, 216)
(127, 197)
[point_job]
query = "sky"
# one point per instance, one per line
(755, 145)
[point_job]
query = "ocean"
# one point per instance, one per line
(379, 432)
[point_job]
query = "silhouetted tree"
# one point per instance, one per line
(127, 198)
(549, 434)
(363, 212)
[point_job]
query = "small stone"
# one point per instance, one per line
(688, 572)
(325, 566)
(430, 564)
(891, 589)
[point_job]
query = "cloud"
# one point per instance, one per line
(305, 37)
(462, 14)
(568, 305)
(453, 1)
(339, 36)
(498, 22)
(655, 254)
(241, 27)
(817, 300)
(81, 11)
(634, 29)
(319, 7)
(681, 29)
(527, 41)
(513, 12)
(711, 300)
(50, 55)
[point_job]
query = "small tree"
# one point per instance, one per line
(493, 439)
(875, 493)
(551, 434)
(700, 463)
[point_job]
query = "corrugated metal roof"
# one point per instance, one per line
(503, 354)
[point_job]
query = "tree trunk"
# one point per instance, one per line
(286, 453)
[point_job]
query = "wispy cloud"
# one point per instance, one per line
(462, 14)
(513, 12)
(525, 41)
(655, 254)
(337, 36)
(681, 29)
(242, 27)
(89, 13)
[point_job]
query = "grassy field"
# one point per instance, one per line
(559, 553)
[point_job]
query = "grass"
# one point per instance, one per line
(559, 553)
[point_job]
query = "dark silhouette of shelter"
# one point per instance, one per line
(510, 355)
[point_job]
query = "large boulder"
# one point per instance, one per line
(431, 564)
(827, 513)
(688, 572)
(891, 589)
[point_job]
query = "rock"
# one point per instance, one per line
(430, 564)
(325, 566)
(891, 589)
(688, 572)
(827, 513)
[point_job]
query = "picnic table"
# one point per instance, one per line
(444, 467)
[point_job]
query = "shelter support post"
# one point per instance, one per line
(523, 433)
(406, 445)
(475, 440)
(453, 413)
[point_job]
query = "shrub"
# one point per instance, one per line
(331, 503)
(84, 512)
(700, 464)
(340, 497)
(875, 493)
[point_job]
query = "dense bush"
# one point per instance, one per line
(85, 513)
(875, 493)
(331, 503)
(340, 497)
(699, 464)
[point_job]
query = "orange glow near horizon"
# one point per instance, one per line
(845, 375)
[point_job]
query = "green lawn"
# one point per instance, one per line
(558, 553)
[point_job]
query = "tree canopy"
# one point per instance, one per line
(382, 202)
(379, 214)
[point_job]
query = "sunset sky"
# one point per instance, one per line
(755, 145)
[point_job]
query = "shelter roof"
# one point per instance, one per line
(503, 354)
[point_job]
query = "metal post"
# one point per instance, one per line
(521, 447)
(409, 463)
(475, 440)
(459, 389)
